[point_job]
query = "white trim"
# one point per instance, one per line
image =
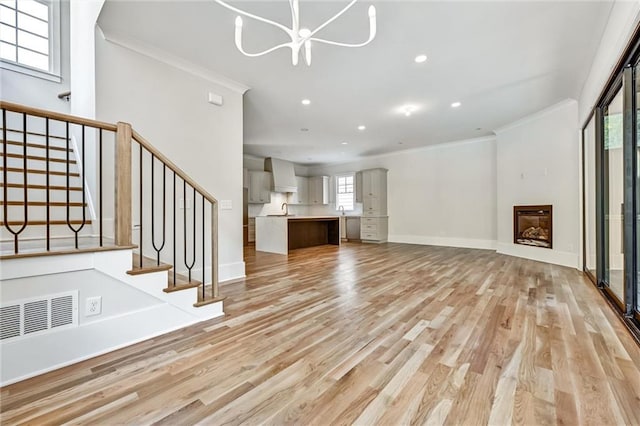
(536, 115)
(55, 51)
(174, 61)
(444, 241)
(556, 257)
(448, 144)
(30, 71)
(230, 271)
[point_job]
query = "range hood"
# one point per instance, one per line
(284, 178)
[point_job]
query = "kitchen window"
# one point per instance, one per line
(29, 37)
(345, 186)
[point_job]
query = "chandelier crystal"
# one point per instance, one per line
(299, 36)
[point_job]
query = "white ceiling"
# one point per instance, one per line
(503, 60)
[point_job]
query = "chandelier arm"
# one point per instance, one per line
(253, 55)
(336, 16)
(337, 43)
(295, 24)
(252, 16)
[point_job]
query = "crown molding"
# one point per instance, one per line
(536, 115)
(165, 57)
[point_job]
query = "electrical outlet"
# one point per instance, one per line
(93, 306)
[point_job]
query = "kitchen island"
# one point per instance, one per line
(280, 234)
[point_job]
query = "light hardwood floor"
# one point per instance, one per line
(366, 334)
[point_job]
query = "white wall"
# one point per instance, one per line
(139, 300)
(537, 164)
(441, 195)
(169, 107)
(83, 17)
(624, 17)
(38, 92)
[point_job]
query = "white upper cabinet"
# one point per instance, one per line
(319, 190)
(302, 196)
(259, 187)
(374, 192)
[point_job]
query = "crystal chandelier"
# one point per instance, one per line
(299, 36)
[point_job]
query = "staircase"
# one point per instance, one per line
(29, 168)
(73, 185)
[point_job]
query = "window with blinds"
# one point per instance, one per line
(345, 192)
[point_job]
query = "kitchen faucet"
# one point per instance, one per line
(285, 209)
(342, 209)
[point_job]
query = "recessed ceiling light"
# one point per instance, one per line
(421, 59)
(345, 143)
(362, 127)
(455, 104)
(306, 102)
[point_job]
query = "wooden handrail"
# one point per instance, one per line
(123, 190)
(142, 141)
(57, 116)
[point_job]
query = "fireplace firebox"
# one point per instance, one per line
(533, 226)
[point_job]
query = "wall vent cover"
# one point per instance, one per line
(38, 315)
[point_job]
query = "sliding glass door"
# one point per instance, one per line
(611, 189)
(589, 151)
(613, 163)
(636, 130)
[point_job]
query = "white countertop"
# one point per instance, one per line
(295, 217)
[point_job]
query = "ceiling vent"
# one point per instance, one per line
(38, 315)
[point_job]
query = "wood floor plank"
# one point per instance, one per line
(366, 334)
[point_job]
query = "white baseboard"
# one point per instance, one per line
(444, 241)
(226, 272)
(556, 257)
(230, 271)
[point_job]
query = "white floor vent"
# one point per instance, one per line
(38, 315)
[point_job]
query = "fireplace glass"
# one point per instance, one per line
(532, 226)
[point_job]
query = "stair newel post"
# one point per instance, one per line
(123, 224)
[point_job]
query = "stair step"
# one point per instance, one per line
(59, 251)
(39, 172)
(51, 187)
(44, 222)
(148, 265)
(181, 283)
(38, 146)
(206, 302)
(34, 133)
(39, 158)
(43, 203)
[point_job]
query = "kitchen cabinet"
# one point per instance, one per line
(374, 192)
(251, 237)
(319, 190)
(358, 188)
(374, 224)
(302, 196)
(374, 229)
(259, 187)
